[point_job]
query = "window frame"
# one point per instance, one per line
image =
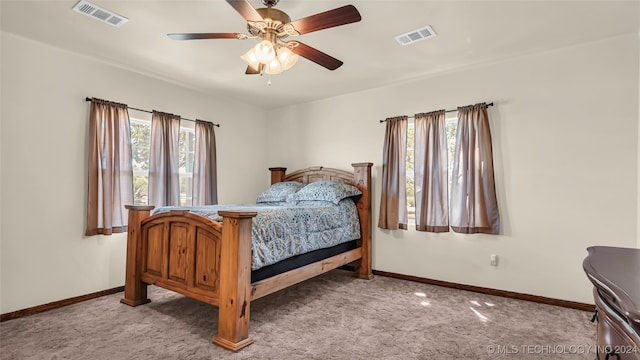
(185, 172)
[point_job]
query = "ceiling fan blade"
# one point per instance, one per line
(203, 36)
(252, 71)
(317, 56)
(340, 16)
(244, 8)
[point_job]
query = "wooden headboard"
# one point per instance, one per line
(360, 178)
(311, 174)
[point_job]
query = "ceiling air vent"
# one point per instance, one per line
(98, 13)
(415, 35)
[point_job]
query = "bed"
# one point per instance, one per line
(212, 260)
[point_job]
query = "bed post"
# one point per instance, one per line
(277, 174)
(362, 179)
(235, 280)
(135, 291)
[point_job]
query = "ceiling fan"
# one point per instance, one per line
(271, 26)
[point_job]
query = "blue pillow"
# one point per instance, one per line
(278, 192)
(326, 190)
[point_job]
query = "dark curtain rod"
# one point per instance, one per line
(447, 111)
(151, 112)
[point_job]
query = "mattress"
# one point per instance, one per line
(284, 230)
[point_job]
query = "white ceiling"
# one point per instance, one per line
(469, 33)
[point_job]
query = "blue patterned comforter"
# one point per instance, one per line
(285, 230)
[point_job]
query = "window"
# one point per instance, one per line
(452, 125)
(467, 205)
(140, 146)
(452, 128)
(140, 138)
(410, 174)
(187, 145)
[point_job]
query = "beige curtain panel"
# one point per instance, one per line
(110, 170)
(474, 208)
(205, 183)
(393, 201)
(431, 184)
(164, 180)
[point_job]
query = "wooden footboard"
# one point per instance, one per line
(193, 256)
(211, 262)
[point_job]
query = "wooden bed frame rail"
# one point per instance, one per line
(211, 262)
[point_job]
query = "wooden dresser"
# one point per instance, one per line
(615, 274)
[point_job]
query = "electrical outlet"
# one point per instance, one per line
(494, 260)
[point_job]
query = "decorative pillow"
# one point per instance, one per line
(327, 190)
(278, 192)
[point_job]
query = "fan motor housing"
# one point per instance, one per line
(274, 15)
(274, 19)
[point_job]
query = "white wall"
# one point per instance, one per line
(565, 132)
(45, 256)
(565, 136)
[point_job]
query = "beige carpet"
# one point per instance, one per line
(334, 316)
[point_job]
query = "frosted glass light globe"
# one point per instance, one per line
(264, 51)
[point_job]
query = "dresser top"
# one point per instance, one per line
(616, 272)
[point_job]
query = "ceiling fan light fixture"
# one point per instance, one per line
(250, 58)
(265, 52)
(275, 57)
(274, 67)
(287, 58)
